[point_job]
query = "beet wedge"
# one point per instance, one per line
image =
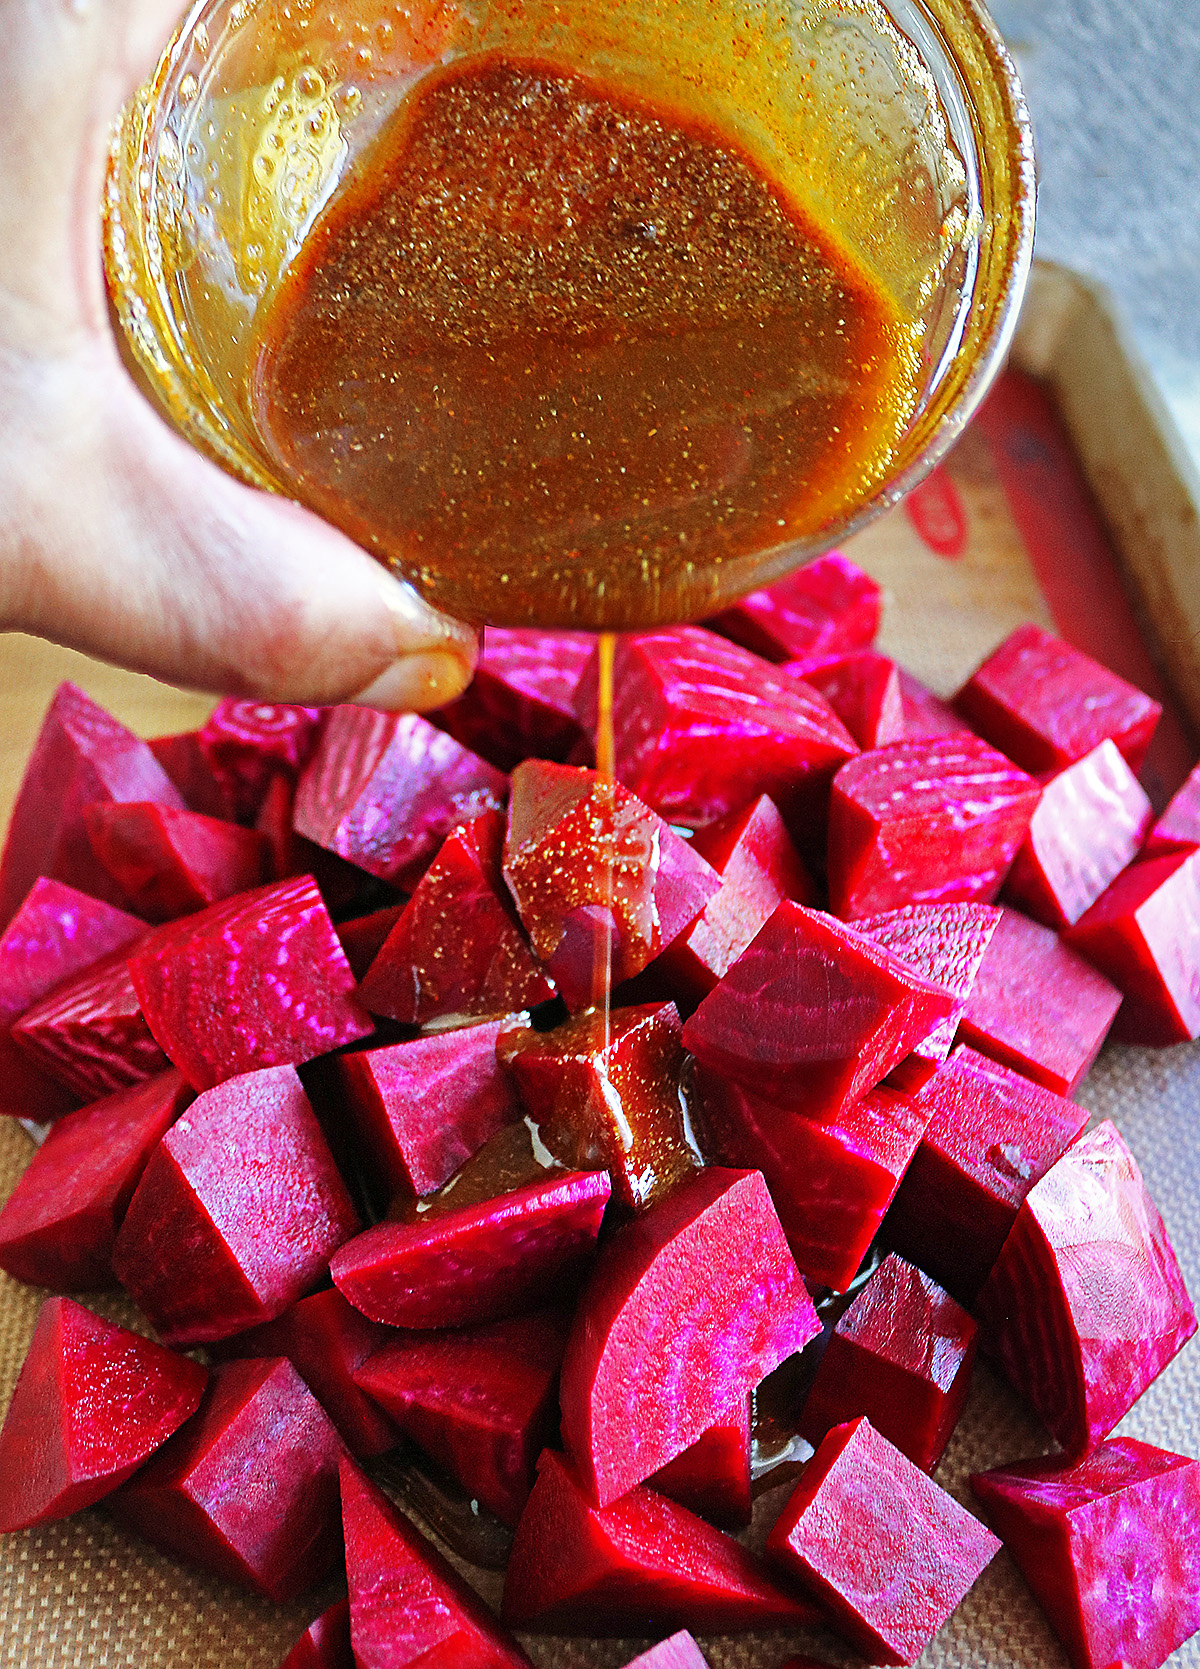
(169, 863)
(247, 744)
(827, 606)
(325, 1643)
(90, 1033)
(521, 702)
(863, 688)
(712, 1478)
(679, 1652)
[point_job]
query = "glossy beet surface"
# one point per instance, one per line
(90, 1033)
(827, 606)
(325, 1643)
(712, 1477)
(181, 758)
(167, 862)
(246, 744)
(926, 714)
(521, 702)
(863, 688)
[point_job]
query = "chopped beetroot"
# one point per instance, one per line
(92, 1402)
(1110, 1546)
(689, 1306)
(181, 758)
(863, 688)
(1178, 829)
(237, 1214)
(935, 821)
(712, 1477)
(325, 1643)
(679, 1652)
(521, 702)
(168, 863)
(59, 1224)
(886, 1551)
(1144, 934)
(992, 1133)
(248, 1489)
(90, 1033)
(826, 606)
(926, 714)
(1037, 1006)
(640, 1563)
(363, 937)
(248, 743)
(458, 949)
(258, 980)
(1046, 704)
(1086, 1304)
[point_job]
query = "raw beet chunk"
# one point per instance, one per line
(407, 1605)
(325, 1644)
(712, 1477)
(363, 937)
(60, 1222)
(258, 980)
(1178, 829)
(992, 1133)
(385, 789)
(237, 1212)
(679, 1652)
(458, 949)
(813, 1014)
(863, 688)
(641, 1563)
(902, 1355)
(521, 702)
(1036, 1006)
(82, 754)
(248, 743)
(1144, 933)
(182, 759)
(248, 1489)
(935, 821)
(1086, 1303)
(90, 1033)
(886, 1551)
(926, 714)
(92, 1402)
(826, 606)
(1111, 1547)
(1046, 704)
(168, 863)
(689, 1306)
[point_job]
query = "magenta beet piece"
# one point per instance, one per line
(521, 702)
(712, 1477)
(237, 1214)
(1178, 829)
(60, 1222)
(458, 949)
(168, 863)
(992, 1133)
(325, 1643)
(82, 754)
(90, 1033)
(888, 1554)
(640, 1563)
(1036, 1006)
(1144, 934)
(92, 1402)
(825, 607)
(679, 1652)
(181, 758)
(363, 937)
(863, 688)
(258, 980)
(1110, 1546)
(813, 1014)
(926, 714)
(1086, 1305)
(385, 789)
(689, 1306)
(407, 1605)
(248, 1489)
(247, 743)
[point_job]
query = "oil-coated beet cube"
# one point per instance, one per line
(248, 1489)
(887, 1552)
(59, 1224)
(325, 1643)
(1144, 934)
(458, 949)
(1111, 1547)
(1178, 829)
(992, 1133)
(258, 980)
(1086, 1304)
(926, 714)
(521, 702)
(182, 759)
(935, 821)
(237, 1214)
(679, 1652)
(168, 863)
(641, 1563)
(826, 606)
(90, 1033)
(902, 1355)
(248, 743)
(863, 688)
(407, 1605)
(93, 1401)
(385, 789)
(712, 1477)
(689, 1306)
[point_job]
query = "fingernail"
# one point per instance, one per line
(415, 683)
(419, 626)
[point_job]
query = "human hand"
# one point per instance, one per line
(116, 536)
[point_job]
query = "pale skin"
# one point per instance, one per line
(116, 537)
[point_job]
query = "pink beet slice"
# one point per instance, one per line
(1144, 934)
(887, 1552)
(642, 1562)
(82, 754)
(902, 1355)
(237, 1212)
(325, 1643)
(458, 949)
(482, 1401)
(1086, 1304)
(90, 1033)
(935, 821)
(60, 1222)
(926, 714)
(182, 759)
(863, 688)
(992, 1133)
(248, 1489)
(168, 863)
(1178, 829)
(813, 1014)
(1046, 704)
(1110, 1546)
(385, 789)
(1037, 1006)
(689, 1306)
(92, 1402)
(248, 743)
(712, 1477)
(363, 937)
(825, 607)
(679, 1652)
(407, 1605)
(521, 702)
(258, 980)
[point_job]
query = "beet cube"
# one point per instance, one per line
(363, 937)
(679, 1652)
(182, 759)
(886, 1551)
(1110, 1546)
(248, 743)
(826, 606)
(926, 714)
(1086, 1304)
(92, 1402)
(90, 1033)
(1178, 829)
(521, 702)
(325, 1643)
(863, 688)
(168, 863)
(712, 1477)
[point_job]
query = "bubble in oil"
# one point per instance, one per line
(188, 88)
